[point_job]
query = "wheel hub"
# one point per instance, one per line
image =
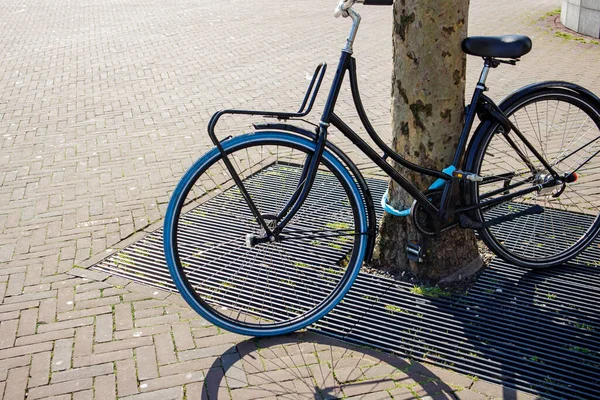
(548, 185)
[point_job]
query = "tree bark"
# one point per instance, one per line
(428, 98)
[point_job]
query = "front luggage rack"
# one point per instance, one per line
(305, 107)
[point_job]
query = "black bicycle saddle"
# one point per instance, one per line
(505, 46)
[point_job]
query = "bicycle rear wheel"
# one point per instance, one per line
(270, 288)
(564, 127)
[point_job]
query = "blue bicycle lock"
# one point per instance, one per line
(438, 184)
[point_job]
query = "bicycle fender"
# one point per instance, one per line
(354, 171)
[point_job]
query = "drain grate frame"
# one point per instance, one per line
(534, 331)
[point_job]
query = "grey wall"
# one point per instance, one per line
(582, 16)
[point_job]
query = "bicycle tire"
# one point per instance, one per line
(541, 240)
(230, 301)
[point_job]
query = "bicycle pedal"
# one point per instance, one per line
(414, 252)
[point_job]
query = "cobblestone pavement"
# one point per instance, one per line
(103, 105)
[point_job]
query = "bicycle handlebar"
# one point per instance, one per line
(344, 5)
(378, 2)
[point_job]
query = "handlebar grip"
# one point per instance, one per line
(378, 2)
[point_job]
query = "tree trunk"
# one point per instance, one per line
(428, 97)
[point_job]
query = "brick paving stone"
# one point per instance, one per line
(65, 299)
(164, 319)
(102, 358)
(29, 349)
(150, 312)
(43, 337)
(18, 306)
(36, 288)
(47, 311)
(27, 322)
(84, 340)
(381, 370)
(358, 388)
(65, 324)
(152, 303)
(68, 282)
(83, 372)
(60, 388)
(286, 374)
(105, 387)
(79, 297)
(63, 352)
(6, 252)
(467, 394)
(141, 332)
(146, 290)
(183, 336)
(123, 317)
(196, 391)
(189, 366)
(86, 287)
(146, 362)
(205, 352)
(8, 333)
(402, 393)
(16, 383)
(205, 332)
(122, 344)
(84, 395)
(219, 339)
(126, 378)
(40, 369)
(268, 391)
(15, 284)
(30, 297)
(165, 352)
(104, 328)
(93, 306)
(287, 362)
(171, 380)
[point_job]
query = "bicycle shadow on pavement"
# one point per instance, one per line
(308, 365)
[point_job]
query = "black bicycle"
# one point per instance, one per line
(291, 218)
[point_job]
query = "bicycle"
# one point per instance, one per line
(292, 218)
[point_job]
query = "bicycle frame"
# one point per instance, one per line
(348, 64)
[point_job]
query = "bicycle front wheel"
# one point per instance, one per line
(268, 288)
(564, 128)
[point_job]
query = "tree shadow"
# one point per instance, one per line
(309, 365)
